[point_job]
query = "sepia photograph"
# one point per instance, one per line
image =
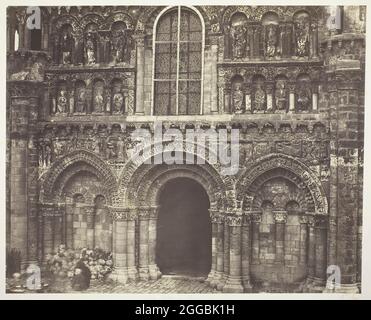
(170, 149)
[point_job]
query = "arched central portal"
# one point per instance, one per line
(184, 229)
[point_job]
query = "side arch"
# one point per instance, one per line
(280, 165)
(77, 161)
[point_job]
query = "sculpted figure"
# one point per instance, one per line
(302, 37)
(90, 48)
(81, 100)
(119, 44)
(271, 45)
(281, 96)
(66, 44)
(62, 101)
(118, 102)
(98, 102)
(303, 97)
(259, 98)
(237, 98)
(239, 41)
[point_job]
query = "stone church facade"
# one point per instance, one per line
(291, 79)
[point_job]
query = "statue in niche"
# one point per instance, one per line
(112, 151)
(80, 100)
(259, 99)
(119, 44)
(47, 155)
(121, 148)
(62, 101)
(98, 103)
(272, 43)
(303, 97)
(239, 41)
(237, 98)
(67, 44)
(118, 100)
(302, 36)
(281, 96)
(90, 46)
(41, 154)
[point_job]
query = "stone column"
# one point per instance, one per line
(347, 139)
(314, 38)
(90, 224)
(245, 251)
(120, 233)
(280, 218)
(227, 99)
(291, 97)
(315, 97)
(248, 108)
(143, 215)
(218, 277)
(311, 247)
(131, 221)
(226, 254)
(140, 75)
(22, 183)
(303, 239)
(214, 73)
(154, 272)
(234, 279)
(256, 217)
(46, 229)
(269, 91)
(214, 216)
(321, 248)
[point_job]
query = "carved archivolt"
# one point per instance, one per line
(75, 162)
(135, 173)
(297, 172)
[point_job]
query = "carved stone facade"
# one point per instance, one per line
(292, 84)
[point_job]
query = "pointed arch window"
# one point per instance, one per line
(178, 62)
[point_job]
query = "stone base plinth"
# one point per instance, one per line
(154, 272)
(119, 275)
(233, 285)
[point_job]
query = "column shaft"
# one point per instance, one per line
(234, 279)
(143, 245)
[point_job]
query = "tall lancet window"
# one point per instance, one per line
(178, 62)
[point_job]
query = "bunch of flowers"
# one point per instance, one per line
(63, 262)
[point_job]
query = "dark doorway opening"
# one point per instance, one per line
(184, 229)
(36, 39)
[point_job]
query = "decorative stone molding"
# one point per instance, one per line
(89, 210)
(321, 221)
(303, 219)
(216, 216)
(51, 210)
(234, 220)
(119, 214)
(245, 183)
(256, 216)
(280, 216)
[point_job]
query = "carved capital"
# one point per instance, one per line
(89, 210)
(119, 214)
(256, 216)
(320, 221)
(280, 216)
(303, 219)
(144, 213)
(51, 210)
(234, 220)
